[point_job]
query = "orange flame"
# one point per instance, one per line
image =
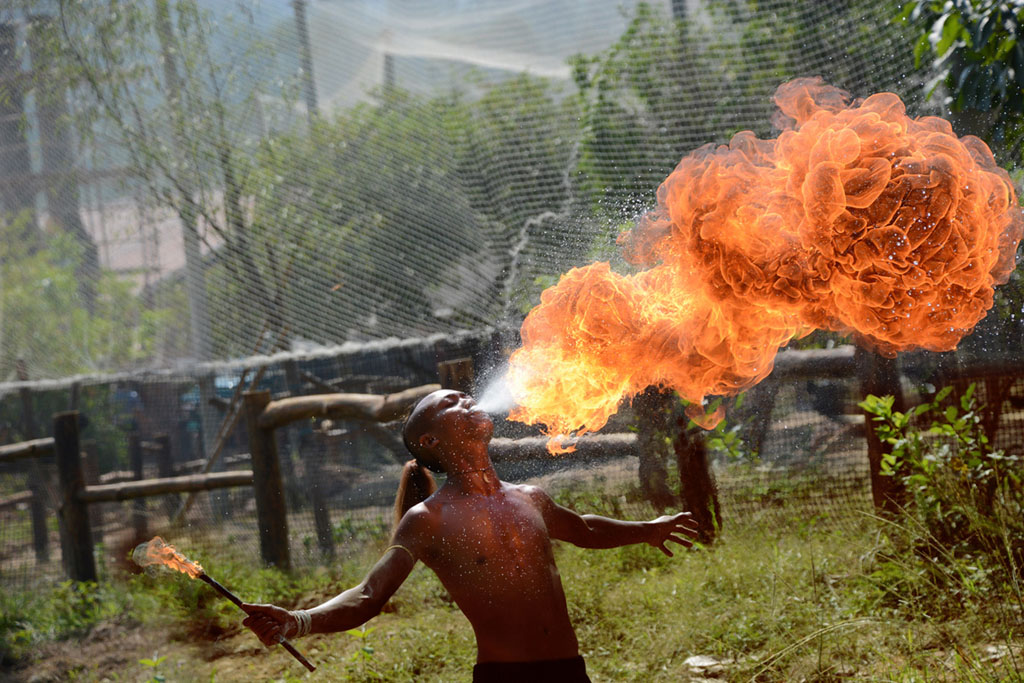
(156, 552)
(856, 219)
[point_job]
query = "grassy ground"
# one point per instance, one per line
(778, 598)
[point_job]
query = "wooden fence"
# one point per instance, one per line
(35, 495)
(264, 416)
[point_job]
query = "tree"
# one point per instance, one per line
(174, 109)
(45, 323)
(977, 49)
(978, 56)
(401, 214)
(667, 87)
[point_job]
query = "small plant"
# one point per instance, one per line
(364, 654)
(963, 521)
(349, 529)
(68, 610)
(153, 663)
(725, 438)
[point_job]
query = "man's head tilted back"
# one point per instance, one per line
(416, 432)
(440, 421)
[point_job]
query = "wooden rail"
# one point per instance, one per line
(815, 363)
(76, 535)
(16, 499)
(588, 447)
(369, 407)
(127, 490)
(35, 448)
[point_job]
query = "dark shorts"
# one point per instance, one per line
(572, 670)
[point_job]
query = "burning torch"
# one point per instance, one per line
(157, 552)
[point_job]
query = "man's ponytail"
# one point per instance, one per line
(414, 487)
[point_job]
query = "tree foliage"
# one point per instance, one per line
(408, 214)
(666, 87)
(45, 322)
(160, 98)
(382, 204)
(977, 49)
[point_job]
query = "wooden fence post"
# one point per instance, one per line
(652, 413)
(165, 468)
(268, 488)
(91, 476)
(139, 504)
(315, 483)
(697, 486)
(456, 374)
(880, 376)
(76, 537)
(294, 497)
(37, 510)
(36, 506)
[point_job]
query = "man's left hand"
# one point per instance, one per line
(679, 528)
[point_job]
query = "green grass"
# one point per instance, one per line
(776, 599)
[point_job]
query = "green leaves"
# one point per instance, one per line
(44, 320)
(957, 481)
(154, 664)
(978, 48)
(944, 32)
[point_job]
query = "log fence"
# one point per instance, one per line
(34, 448)
(76, 494)
(36, 494)
(264, 416)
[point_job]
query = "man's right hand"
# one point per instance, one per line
(270, 623)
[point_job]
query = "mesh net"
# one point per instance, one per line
(197, 194)
(458, 157)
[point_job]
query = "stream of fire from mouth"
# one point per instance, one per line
(856, 219)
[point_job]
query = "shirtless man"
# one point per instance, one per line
(489, 542)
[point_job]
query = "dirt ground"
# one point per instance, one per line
(114, 651)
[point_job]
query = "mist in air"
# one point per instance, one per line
(495, 396)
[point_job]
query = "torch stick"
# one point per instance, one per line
(157, 552)
(238, 601)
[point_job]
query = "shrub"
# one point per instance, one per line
(963, 529)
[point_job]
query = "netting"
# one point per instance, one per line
(340, 476)
(190, 188)
(181, 201)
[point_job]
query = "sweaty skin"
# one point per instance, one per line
(488, 541)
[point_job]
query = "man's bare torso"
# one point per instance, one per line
(493, 554)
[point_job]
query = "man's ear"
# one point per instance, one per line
(428, 440)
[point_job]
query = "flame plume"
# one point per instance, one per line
(156, 551)
(856, 219)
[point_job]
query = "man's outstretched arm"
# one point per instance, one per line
(349, 609)
(595, 531)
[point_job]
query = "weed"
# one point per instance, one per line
(153, 663)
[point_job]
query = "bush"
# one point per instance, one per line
(962, 529)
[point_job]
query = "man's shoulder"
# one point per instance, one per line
(418, 525)
(420, 512)
(420, 518)
(535, 493)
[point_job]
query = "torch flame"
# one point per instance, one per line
(156, 552)
(856, 219)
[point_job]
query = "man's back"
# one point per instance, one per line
(492, 552)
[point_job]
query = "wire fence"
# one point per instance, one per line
(384, 171)
(340, 476)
